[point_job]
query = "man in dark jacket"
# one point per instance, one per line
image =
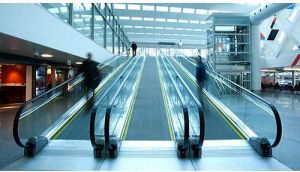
(201, 79)
(91, 76)
(134, 47)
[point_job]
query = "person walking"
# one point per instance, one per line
(134, 47)
(91, 77)
(201, 77)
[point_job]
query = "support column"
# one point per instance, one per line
(255, 59)
(28, 82)
(293, 78)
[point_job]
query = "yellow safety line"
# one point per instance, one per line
(59, 131)
(220, 112)
(132, 104)
(165, 105)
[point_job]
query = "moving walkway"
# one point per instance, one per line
(253, 118)
(110, 118)
(46, 116)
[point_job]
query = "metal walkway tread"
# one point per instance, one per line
(148, 155)
(148, 120)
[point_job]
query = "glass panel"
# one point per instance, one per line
(59, 9)
(82, 16)
(99, 28)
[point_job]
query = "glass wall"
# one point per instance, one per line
(103, 27)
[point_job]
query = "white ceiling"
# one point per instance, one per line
(172, 22)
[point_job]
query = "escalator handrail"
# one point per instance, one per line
(199, 107)
(271, 106)
(95, 107)
(21, 108)
(184, 106)
(110, 105)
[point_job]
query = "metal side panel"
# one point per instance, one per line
(147, 155)
(60, 155)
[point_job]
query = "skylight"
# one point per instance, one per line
(162, 9)
(194, 21)
(138, 27)
(178, 28)
(172, 20)
(134, 7)
(148, 8)
(281, 37)
(63, 9)
(295, 47)
(201, 11)
(169, 28)
(124, 18)
(159, 28)
(148, 19)
(188, 10)
(175, 10)
(136, 18)
(120, 6)
(53, 10)
(160, 19)
(198, 30)
(187, 29)
(149, 27)
(183, 21)
(293, 14)
(202, 22)
(126, 26)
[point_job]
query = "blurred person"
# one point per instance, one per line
(201, 79)
(91, 77)
(134, 47)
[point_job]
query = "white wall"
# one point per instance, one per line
(33, 23)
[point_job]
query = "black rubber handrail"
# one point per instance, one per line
(184, 106)
(21, 108)
(199, 107)
(110, 105)
(95, 107)
(271, 106)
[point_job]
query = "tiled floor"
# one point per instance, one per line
(288, 105)
(9, 151)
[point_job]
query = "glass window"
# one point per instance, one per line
(116, 44)
(82, 17)
(99, 28)
(109, 41)
(59, 9)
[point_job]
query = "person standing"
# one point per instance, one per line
(201, 79)
(134, 47)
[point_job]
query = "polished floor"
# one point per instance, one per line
(288, 105)
(9, 151)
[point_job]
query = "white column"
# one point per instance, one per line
(255, 58)
(28, 82)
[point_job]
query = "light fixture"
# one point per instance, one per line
(78, 63)
(47, 55)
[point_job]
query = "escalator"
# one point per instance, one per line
(250, 116)
(46, 116)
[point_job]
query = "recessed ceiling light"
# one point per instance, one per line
(47, 55)
(79, 63)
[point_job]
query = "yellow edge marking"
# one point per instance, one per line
(132, 104)
(59, 131)
(220, 112)
(165, 104)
